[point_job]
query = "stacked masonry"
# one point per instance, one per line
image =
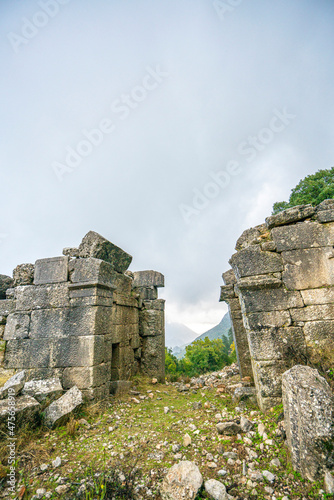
(83, 318)
(281, 296)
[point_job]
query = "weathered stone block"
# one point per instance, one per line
(153, 357)
(277, 343)
(23, 274)
(151, 323)
(15, 384)
(318, 296)
(269, 300)
(87, 376)
(249, 237)
(120, 387)
(158, 305)
(308, 415)
(268, 378)
(42, 296)
(147, 293)
(43, 390)
(241, 346)
(7, 306)
(53, 270)
(313, 313)
(17, 326)
(226, 293)
(261, 282)
(5, 283)
(269, 246)
(71, 251)
(326, 205)
(308, 268)
(100, 393)
(26, 411)
(326, 215)
(148, 278)
(290, 215)
(67, 321)
(301, 235)
(59, 411)
(183, 480)
(94, 245)
(229, 277)
(95, 271)
(252, 261)
(258, 320)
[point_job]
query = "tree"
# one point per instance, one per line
(207, 355)
(312, 189)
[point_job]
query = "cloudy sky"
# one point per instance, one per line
(168, 126)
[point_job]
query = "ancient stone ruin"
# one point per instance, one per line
(84, 318)
(281, 297)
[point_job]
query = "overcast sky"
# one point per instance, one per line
(168, 126)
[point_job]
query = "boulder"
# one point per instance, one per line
(5, 283)
(308, 414)
(43, 390)
(15, 384)
(27, 412)
(58, 411)
(94, 245)
(181, 482)
(228, 428)
(215, 489)
(23, 274)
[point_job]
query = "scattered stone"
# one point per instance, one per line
(186, 440)
(154, 381)
(56, 463)
(211, 465)
(62, 489)
(181, 482)
(245, 424)
(59, 410)
(43, 390)
(261, 429)
(230, 454)
(329, 483)
(166, 409)
(175, 448)
(215, 489)
(197, 405)
(15, 384)
(222, 472)
(44, 467)
(40, 493)
(27, 412)
(228, 428)
(275, 462)
(269, 476)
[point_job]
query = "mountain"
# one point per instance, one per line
(178, 335)
(216, 332)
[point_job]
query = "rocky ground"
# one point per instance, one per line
(125, 449)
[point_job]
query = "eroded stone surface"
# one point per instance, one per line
(95, 245)
(182, 481)
(62, 407)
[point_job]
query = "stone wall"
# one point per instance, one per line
(83, 317)
(281, 284)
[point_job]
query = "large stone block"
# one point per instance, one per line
(249, 237)
(308, 414)
(148, 278)
(326, 215)
(42, 296)
(229, 277)
(94, 245)
(5, 283)
(58, 411)
(241, 346)
(182, 481)
(23, 274)
(294, 214)
(64, 352)
(7, 306)
(302, 235)
(43, 390)
(252, 261)
(308, 268)
(53, 270)
(14, 385)
(94, 271)
(226, 293)
(269, 300)
(261, 282)
(277, 343)
(313, 313)
(17, 326)
(87, 376)
(270, 319)
(153, 357)
(70, 322)
(151, 322)
(158, 305)
(318, 296)
(26, 410)
(268, 378)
